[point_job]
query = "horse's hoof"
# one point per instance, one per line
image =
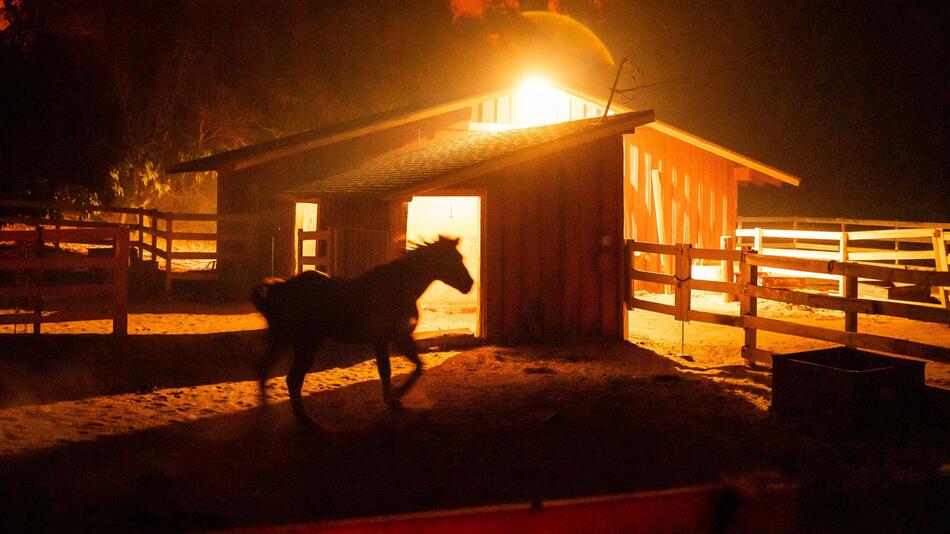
(310, 426)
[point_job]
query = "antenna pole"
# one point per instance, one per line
(613, 90)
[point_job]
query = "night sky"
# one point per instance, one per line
(851, 97)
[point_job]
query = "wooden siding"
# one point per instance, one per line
(675, 193)
(552, 246)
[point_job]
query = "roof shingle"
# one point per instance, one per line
(407, 167)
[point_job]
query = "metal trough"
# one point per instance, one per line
(845, 388)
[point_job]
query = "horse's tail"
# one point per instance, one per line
(261, 296)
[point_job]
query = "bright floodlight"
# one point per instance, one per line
(537, 103)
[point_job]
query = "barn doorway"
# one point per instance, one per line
(305, 218)
(442, 307)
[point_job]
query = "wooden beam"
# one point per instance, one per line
(915, 312)
(838, 221)
(900, 233)
(940, 263)
(649, 305)
(723, 152)
(729, 288)
(852, 339)
(715, 318)
(748, 305)
(653, 248)
(887, 274)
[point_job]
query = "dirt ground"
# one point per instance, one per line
(164, 431)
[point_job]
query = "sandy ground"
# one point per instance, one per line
(709, 346)
(164, 430)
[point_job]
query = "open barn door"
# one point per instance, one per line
(305, 218)
(442, 307)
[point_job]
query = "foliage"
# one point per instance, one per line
(99, 97)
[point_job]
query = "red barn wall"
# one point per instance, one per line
(698, 191)
(552, 243)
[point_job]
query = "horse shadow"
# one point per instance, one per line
(52, 368)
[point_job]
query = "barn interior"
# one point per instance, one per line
(452, 216)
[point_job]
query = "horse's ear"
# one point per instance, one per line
(453, 241)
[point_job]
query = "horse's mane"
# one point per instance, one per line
(416, 251)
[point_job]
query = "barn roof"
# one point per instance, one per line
(259, 153)
(441, 162)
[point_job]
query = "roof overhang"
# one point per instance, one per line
(261, 153)
(622, 124)
(765, 172)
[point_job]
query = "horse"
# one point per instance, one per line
(378, 308)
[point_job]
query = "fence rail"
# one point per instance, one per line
(153, 233)
(747, 290)
(30, 263)
(916, 246)
(341, 251)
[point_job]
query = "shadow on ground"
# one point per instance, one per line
(42, 369)
(491, 425)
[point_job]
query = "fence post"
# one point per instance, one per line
(748, 304)
(727, 242)
(897, 245)
(140, 233)
(940, 262)
(757, 244)
(627, 278)
(33, 276)
(169, 244)
(682, 273)
(794, 228)
(851, 292)
(154, 217)
(120, 293)
(843, 257)
(300, 250)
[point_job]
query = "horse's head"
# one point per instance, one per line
(447, 264)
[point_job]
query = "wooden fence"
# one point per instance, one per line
(157, 237)
(317, 250)
(35, 273)
(154, 236)
(748, 291)
(911, 245)
(341, 251)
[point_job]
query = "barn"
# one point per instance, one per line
(541, 185)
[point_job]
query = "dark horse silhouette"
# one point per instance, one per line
(378, 307)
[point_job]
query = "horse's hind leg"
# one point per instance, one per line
(303, 359)
(265, 365)
(385, 372)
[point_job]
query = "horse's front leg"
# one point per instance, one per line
(407, 346)
(385, 372)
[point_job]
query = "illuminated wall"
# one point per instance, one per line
(534, 103)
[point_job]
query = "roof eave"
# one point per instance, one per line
(758, 166)
(233, 160)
